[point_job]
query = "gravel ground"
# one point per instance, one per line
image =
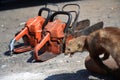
(21, 67)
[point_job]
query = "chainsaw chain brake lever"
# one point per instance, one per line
(77, 12)
(63, 13)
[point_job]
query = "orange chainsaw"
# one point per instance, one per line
(31, 33)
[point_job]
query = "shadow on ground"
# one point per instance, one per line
(14, 4)
(79, 75)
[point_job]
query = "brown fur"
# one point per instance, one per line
(104, 41)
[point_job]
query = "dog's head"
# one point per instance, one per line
(75, 45)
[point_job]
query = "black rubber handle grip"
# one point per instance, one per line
(48, 16)
(77, 12)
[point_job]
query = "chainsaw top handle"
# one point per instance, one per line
(77, 12)
(62, 13)
(66, 5)
(48, 16)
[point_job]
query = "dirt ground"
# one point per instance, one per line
(21, 67)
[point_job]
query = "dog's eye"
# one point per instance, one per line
(68, 49)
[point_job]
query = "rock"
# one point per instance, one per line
(2, 25)
(3, 66)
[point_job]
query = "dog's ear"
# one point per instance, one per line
(81, 43)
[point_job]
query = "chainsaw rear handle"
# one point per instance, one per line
(77, 12)
(48, 16)
(63, 13)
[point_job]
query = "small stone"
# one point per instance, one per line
(22, 23)
(78, 61)
(67, 61)
(108, 17)
(2, 25)
(3, 66)
(60, 61)
(112, 8)
(11, 70)
(93, 78)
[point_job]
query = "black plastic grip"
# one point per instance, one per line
(48, 16)
(78, 11)
(44, 9)
(63, 13)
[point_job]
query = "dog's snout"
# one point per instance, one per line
(67, 51)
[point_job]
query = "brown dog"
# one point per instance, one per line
(104, 41)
